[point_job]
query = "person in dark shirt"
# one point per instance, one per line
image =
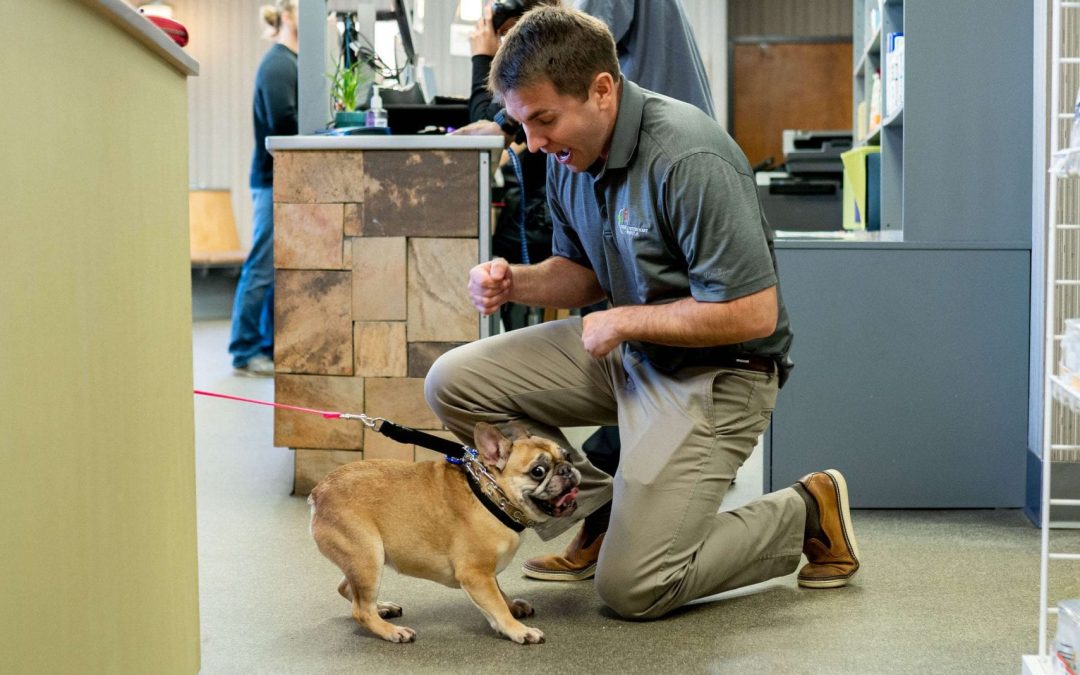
(275, 114)
(524, 172)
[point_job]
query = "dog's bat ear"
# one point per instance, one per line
(518, 431)
(493, 447)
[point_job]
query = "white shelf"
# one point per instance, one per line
(873, 48)
(1062, 156)
(872, 138)
(1065, 393)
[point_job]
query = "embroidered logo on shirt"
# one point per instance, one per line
(622, 221)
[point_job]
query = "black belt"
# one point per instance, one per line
(698, 358)
(758, 364)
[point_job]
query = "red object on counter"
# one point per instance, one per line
(173, 29)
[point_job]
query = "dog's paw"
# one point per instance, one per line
(521, 609)
(388, 610)
(527, 636)
(400, 634)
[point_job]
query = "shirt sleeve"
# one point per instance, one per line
(481, 106)
(714, 216)
(617, 14)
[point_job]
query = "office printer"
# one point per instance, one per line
(807, 194)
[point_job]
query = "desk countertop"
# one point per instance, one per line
(403, 142)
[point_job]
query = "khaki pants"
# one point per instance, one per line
(683, 435)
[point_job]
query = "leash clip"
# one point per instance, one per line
(370, 422)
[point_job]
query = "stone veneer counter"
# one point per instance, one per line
(373, 240)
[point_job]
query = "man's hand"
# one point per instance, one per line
(479, 128)
(489, 285)
(483, 40)
(600, 332)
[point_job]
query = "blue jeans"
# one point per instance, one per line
(253, 307)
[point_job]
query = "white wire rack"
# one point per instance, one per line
(1056, 387)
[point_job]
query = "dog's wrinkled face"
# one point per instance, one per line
(534, 472)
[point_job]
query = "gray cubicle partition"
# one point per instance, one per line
(911, 373)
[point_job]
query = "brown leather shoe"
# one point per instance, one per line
(578, 562)
(833, 556)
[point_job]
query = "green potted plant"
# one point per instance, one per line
(346, 86)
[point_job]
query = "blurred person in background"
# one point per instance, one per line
(274, 110)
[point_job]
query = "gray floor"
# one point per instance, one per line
(940, 591)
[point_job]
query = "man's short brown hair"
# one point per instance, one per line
(565, 46)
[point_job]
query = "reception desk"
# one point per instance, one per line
(373, 241)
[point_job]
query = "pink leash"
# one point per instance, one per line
(328, 415)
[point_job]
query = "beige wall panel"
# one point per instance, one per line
(308, 236)
(439, 307)
(98, 560)
(295, 429)
(379, 280)
(305, 176)
(426, 193)
(400, 400)
(312, 322)
(380, 349)
(311, 466)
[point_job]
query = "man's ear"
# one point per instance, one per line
(493, 447)
(606, 90)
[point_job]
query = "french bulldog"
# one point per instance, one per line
(423, 520)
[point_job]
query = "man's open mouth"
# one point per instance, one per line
(563, 156)
(563, 505)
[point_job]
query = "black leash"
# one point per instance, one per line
(430, 441)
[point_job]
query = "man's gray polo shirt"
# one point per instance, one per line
(673, 213)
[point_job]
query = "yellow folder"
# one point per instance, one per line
(855, 202)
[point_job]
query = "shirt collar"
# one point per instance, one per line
(624, 138)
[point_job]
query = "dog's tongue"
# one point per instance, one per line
(569, 496)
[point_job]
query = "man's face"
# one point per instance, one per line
(577, 132)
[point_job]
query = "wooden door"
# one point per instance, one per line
(787, 85)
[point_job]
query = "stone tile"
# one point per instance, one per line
(423, 354)
(379, 281)
(308, 236)
(380, 348)
(354, 220)
(295, 429)
(346, 253)
(311, 466)
(438, 306)
(400, 400)
(313, 331)
(377, 446)
(427, 193)
(307, 176)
